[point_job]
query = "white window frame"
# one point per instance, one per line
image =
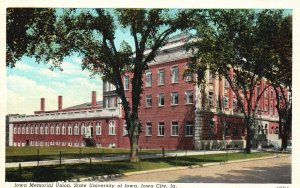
(76, 129)
(70, 129)
(112, 128)
(23, 129)
(189, 96)
(46, 129)
(15, 129)
(57, 129)
(161, 99)
(36, 129)
(82, 129)
(148, 79)
(189, 76)
(175, 75)
(149, 100)
(161, 129)
(27, 129)
(126, 82)
(174, 96)
(98, 128)
(63, 129)
(161, 77)
(41, 129)
(52, 129)
(189, 128)
(210, 98)
(148, 129)
(174, 128)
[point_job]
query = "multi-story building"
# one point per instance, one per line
(174, 113)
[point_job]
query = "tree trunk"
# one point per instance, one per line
(249, 136)
(134, 140)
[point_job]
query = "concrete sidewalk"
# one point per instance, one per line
(114, 158)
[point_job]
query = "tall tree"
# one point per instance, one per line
(227, 46)
(92, 33)
(275, 32)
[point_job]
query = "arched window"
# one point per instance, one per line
(57, 129)
(15, 129)
(41, 129)
(63, 131)
(27, 129)
(98, 128)
(70, 129)
(31, 129)
(76, 129)
(36, 129)
(51, 129)
(23, 129)
(112, 128)
(82, 129)
(46, 129)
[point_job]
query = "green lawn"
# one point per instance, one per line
(21, 154)
(71, 171)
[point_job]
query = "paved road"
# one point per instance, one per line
(274, 170)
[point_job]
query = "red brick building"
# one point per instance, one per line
(172, 113)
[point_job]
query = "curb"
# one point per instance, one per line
(107, 177)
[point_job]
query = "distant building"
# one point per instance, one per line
(174, 113)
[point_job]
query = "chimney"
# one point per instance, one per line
(59, 102)
(94, 98)
(42, 104)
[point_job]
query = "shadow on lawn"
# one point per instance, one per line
(65, 172)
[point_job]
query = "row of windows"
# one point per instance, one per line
(174, 98)
(49, 143)
(174, 129)
(160, 76)
(63, 129)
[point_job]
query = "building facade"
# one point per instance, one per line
(174, 113)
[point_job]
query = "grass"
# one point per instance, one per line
(71, 171)
(22, 154)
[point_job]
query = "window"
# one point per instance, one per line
(161, 99)
(148, 100)
(63, 129)
(161, 129)
(23, 129)
(70, 129)
(36, 127)
(57, 129)
(174, 98)
(266, 93)
(51, 143)
(70, 143)
(42, 129)
(51, 129)
(234, 103)
(211, 125)
(189, 76)
(189, 97)
(225, 100)
(82, 129)
(189, 128)
(57, 143)
(76, 129)
(98, 128)
(174, 127)
(27, 129)
(175, 74)
(46, 129)
(148, 129)
(15, 129)
(31, 129)
(161, 77)
(19, 130)
(210, 98)
(125, 132)
(112, 128)
(148, 79)
(126, 82)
